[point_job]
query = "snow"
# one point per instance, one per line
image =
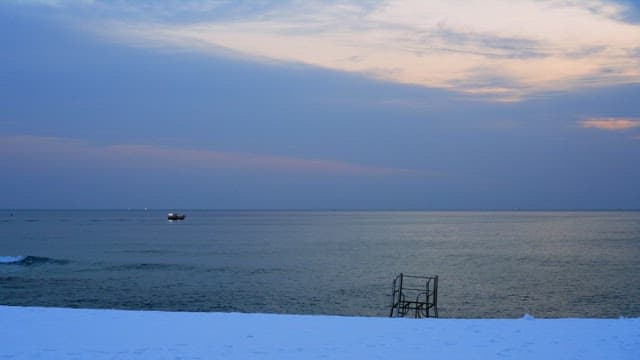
(54, 333)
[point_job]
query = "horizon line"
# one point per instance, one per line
(336, 209)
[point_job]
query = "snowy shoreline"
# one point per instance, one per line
(58, 333)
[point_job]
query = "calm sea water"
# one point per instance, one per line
(490, 264)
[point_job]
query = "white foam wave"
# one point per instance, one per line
(12, 259)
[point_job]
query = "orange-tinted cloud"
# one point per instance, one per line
(610, 124)
(502, 49)
(58, 151)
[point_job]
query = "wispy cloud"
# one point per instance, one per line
(610, 124)
(500, 48)
(54, 3)
(52, 150)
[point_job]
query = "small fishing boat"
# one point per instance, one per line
(175, 216)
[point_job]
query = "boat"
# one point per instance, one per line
(175, 216)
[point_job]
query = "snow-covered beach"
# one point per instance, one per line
(57, 333)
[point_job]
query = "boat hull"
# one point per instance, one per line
(173, 217)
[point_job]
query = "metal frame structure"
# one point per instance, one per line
(415, 296)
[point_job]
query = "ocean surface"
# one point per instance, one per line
(490, 264)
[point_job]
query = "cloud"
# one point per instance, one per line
(56, 152)
(500, 48)
(54, 3)
(610, 124)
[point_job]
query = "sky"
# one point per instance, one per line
(398, 104)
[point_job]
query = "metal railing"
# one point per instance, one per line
(415, 296)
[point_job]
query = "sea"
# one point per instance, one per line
(490, 264)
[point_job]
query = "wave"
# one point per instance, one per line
(28, 260)
(150, 266)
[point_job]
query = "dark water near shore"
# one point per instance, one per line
(490, 264)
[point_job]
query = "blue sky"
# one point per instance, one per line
(320, 104)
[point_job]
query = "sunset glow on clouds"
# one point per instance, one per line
(505, 49)
(611, 124)
(29, 148)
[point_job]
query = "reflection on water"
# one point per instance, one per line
(491, 264)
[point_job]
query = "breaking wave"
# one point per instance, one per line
(28, 260)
